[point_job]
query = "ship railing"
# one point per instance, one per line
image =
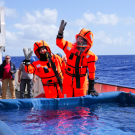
(100, 87)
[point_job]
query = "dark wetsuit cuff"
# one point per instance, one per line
(60, 35)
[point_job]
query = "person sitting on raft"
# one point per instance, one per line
(48, 68)
(79, 58)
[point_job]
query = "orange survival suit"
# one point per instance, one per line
(44, 68)
(75, 76)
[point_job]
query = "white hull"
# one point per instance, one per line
(2, 31)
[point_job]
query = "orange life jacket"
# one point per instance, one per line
(44, 70)
(77, 64)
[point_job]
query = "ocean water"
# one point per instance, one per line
(110, 69)
(116, 70)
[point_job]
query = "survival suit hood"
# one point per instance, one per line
(87, 37)
(38, 46)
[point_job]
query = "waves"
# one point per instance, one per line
(116, 70)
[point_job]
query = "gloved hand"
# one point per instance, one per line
(61, 29)
(27, 54)
(91, 89)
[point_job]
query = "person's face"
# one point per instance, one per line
(65, 59)
(81, 49)
(81, 42)
(7, 59)
(42, 50)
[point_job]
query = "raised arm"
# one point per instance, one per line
(60, 42)
(61, 29)
(29, 68)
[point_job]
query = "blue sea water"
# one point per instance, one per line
(116, 70)
(110, 69)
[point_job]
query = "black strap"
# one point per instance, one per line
(47, 77)
(34, 67)
(51, 84)
(74, 67)
(65, 46)
(73, 75)
(77, 72)
(36, 44)
(55, 71)
(86, 33)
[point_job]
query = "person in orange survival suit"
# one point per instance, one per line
(79, 58)
(63, 64)
(47, 68)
